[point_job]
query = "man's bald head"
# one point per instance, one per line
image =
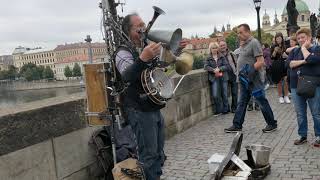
(223, 47)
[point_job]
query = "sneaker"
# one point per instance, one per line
(257, 107)
(269, 128)
(217, 114)
(232, 129)
(300, 141)
(266, 86)
(316, 143)
(281, 100)
(287, 100)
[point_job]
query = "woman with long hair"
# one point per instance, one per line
(217, 67)
(278, 68)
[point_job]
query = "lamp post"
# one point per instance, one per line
(257, 4)
(88, 40)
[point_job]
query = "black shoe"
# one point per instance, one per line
(232, 129)
(257, 107)
(300, 141)
(250, 108)
(269, 128)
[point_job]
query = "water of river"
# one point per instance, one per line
(12, 98)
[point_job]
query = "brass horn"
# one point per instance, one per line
(183, 62)
(169, 39)
(157, 11)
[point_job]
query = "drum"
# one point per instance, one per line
(157, 85)
(96, 82)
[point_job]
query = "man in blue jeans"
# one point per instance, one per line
(232, 73)
(250, 64)
(305, 61)
(143, 115)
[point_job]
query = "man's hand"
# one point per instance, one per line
(184, 43)
(216, 70)
(150, 51)
(307, 43)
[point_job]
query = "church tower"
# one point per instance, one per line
(266, 20)
(276, 20)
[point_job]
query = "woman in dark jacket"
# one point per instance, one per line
(278, 68)
(217, 67)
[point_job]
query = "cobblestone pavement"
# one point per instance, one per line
(188, 151)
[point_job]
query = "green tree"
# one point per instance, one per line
(265, 37)
(25, 67)
(76, 71)
(3, 75)
(30, 72)
(41, 71)
(232, 41)
(198, 62)
(48, 73)
(67, 72)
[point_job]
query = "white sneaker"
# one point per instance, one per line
(266, 86)
(287, 100)
(281, 100)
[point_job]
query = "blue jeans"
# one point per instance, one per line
(243, 100)
(219, 90)
(149, 131)
(234, 93)
(300, 105)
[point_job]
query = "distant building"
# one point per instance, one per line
(70, 54)
(5, 62)
(37, 56)
(199, 46)
(281, 26)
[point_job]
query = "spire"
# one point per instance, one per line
(319, 10)
(215, 29)
(276, 20)
(228, 27)
(223, 29)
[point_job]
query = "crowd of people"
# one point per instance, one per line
(246, 72)
(291, 64)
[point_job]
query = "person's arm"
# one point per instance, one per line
(225, 65)
(292, 62)
(129, 68)
(207, 66)
(310, 58)
(258, 54)
(290, 49)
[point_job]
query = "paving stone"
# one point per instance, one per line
(189, 150)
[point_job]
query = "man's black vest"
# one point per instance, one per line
(134, 96)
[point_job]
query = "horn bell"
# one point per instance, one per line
(184, 63)
(170, 39)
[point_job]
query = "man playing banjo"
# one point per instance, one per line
(143, 115)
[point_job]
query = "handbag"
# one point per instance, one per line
(307, 86)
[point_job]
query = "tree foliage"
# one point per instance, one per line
(232, 41)
(67, 72)
(76, 71)
(48, 73)
(198, 62)
(265, 37)
(32, 72)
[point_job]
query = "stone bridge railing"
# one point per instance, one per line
(49, 139)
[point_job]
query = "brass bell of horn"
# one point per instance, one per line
(184, 63)
(169, 39)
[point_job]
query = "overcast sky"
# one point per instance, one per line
(47, 23)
